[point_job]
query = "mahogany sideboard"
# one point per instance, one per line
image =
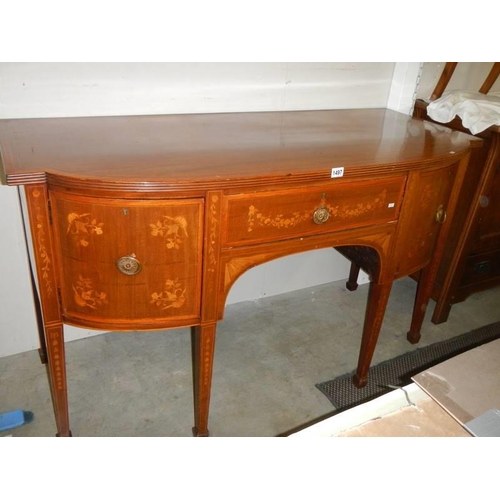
(145, 222)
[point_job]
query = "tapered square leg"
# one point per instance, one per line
(378, 297)
(57, 375)
(203, 346)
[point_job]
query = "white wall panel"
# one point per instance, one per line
(337, 85)
(81, 89)
(17, 315)
(403, 87)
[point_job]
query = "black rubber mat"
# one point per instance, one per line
(397, 372)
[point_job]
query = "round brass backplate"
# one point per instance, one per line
(321, 215)
(129, 265)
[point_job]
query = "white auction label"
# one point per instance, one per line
(337, 172)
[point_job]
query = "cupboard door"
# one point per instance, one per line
(128, 262)
(427, 198)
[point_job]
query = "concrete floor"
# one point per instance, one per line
(270, 354)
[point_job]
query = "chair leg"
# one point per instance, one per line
(352, 283)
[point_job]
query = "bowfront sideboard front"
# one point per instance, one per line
(145, 222)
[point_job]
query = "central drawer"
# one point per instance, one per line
(267, 216)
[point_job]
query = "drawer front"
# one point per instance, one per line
(128, 261)
(267, 216)
(481, 268)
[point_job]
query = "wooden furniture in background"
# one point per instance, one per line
(146, 222)
(471, 259)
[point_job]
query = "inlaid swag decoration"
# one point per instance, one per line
(173, 229)
(80, 227)
(344, 211)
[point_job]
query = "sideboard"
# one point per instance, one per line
(145, 222)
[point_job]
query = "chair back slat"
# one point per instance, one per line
(444, 79)
(491, 78)
(447, 73)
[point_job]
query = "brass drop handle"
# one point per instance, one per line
(129, 265)
(321, 215)
(441, 214)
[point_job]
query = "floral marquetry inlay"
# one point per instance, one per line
(81, 226)
(41, 243)
(86, 296)
(214, 223)
(173, 229)
(54, 338)
(341, 211)
(173, 295)
(256, 217)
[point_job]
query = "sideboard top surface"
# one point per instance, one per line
(194, 150)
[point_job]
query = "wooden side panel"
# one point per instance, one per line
(161, 242)
(211, 256)
(46, 265)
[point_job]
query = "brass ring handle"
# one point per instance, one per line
(441, 214)
(129, 265)
(321, 215)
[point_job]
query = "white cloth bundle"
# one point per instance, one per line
(477, 111)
